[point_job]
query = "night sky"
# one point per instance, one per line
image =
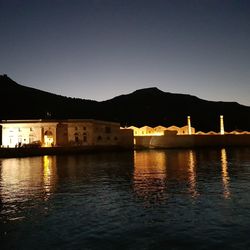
(98, 49)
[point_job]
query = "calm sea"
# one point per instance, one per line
(153, 199)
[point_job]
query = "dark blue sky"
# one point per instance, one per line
(97, 49)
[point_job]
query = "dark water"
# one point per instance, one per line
(162, 199)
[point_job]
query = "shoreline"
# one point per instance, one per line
(142, 142)
(30, 152)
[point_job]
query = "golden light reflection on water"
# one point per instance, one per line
(192, 173)
(24, 178)
(150, 174)
(157, 171)
(224, 172)
(49, 173)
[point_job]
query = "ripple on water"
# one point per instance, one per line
(175, 199)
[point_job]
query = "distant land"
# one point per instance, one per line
(149, 106)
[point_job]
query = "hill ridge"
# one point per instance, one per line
(148, 106)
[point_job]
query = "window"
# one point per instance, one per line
(76, 137)
(76, 128)
(99, 138)
(31, 129)
(115, 138)
(84, 128)
(84, 137)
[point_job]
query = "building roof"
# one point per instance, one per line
(54, 121)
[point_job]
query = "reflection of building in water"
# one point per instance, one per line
(192, 173)
(224, 172)
(26, 178)
(18, 176)
(181, 169)
(156, 170)
(150, 174)
(49, 173)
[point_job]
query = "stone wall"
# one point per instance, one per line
(190, 141)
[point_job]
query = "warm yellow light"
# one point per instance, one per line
(189, 125)
(46, 165)
(48, 141)
(224, 172)
(222, 132)
(49, 173)
(150, 174)
(192, 173)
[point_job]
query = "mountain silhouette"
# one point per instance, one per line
(21, 102)
(149, 106)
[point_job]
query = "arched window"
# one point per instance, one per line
(48, 133)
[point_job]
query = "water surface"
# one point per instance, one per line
(153, 199)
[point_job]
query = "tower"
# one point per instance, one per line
(189, 125)
(222, 132)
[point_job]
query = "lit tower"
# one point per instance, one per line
(189, 125)
(222, 132)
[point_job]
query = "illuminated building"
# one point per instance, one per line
(47, 133)
(186, 137)
(160, 130)
(89, 132)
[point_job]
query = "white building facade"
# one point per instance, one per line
(49, 133)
